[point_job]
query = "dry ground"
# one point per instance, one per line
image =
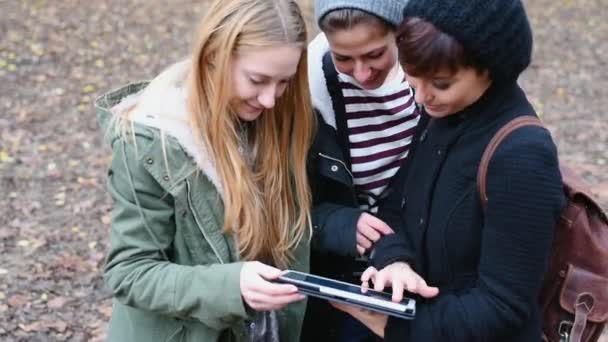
(57, 56)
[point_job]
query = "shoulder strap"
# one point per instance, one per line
(337, 101)
(502, 133)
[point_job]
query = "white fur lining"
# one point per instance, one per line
(321, 100)
(162, 105)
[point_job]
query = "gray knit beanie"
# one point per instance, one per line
(389, 10)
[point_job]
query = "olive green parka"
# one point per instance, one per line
(174, 274)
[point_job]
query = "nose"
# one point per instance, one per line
(362, 72)
(267, 97)
(421, 95)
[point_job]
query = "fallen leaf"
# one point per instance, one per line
(57, 302)
(37, 49)
(105, 219)
(34, 326)
(23, 243)
(58, 326)
(106, 310)
(5, 158)
(89, 88)
(17, 301)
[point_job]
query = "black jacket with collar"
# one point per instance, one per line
(335, 207)
(487, 264)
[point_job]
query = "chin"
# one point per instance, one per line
(373, 85)
(249, 116)
(437, 114)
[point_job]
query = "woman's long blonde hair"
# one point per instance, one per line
(267, 204)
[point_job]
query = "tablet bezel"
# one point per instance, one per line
(405, 309)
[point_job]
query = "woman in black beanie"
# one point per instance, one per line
(484, 267)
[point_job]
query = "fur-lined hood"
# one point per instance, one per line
(161, 104)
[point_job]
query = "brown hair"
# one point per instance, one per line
(424, 50)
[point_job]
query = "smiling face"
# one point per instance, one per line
(447, 93)
(260, 76)
(366, 51)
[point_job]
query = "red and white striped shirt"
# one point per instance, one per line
(381, 124)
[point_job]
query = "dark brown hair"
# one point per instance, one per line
(347, 18)
(424, 50)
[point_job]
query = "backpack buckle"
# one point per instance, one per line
(564, 330)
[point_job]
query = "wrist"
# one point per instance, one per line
(390, 249)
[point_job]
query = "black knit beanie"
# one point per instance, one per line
(495, 33)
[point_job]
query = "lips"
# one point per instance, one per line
(255, 108)
(371, 83)
(433, 108)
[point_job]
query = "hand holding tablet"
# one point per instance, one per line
(341, 292)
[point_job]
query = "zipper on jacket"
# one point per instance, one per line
(338, 161)
(200, 227)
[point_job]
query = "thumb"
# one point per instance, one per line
(267, 272)
(428, 291)
(379, 225)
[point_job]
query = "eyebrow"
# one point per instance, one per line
(445, 78)
(266, 77)
(380, 49)
(374, 51)
(256, 74)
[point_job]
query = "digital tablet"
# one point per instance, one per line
(338, 291)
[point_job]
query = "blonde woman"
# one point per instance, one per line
(209, 182)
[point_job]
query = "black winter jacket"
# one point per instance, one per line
(335, 207)
(487, 265)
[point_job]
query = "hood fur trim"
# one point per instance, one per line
(162, 105)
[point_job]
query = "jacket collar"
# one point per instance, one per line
(161, 105)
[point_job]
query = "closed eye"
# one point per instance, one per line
(441, 85)
(256, 81)
(341, 58)
(375, 54)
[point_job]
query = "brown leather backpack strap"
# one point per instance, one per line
(502, 133)
(583, 307)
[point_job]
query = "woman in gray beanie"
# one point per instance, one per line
(367, 120)
(484, 261)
